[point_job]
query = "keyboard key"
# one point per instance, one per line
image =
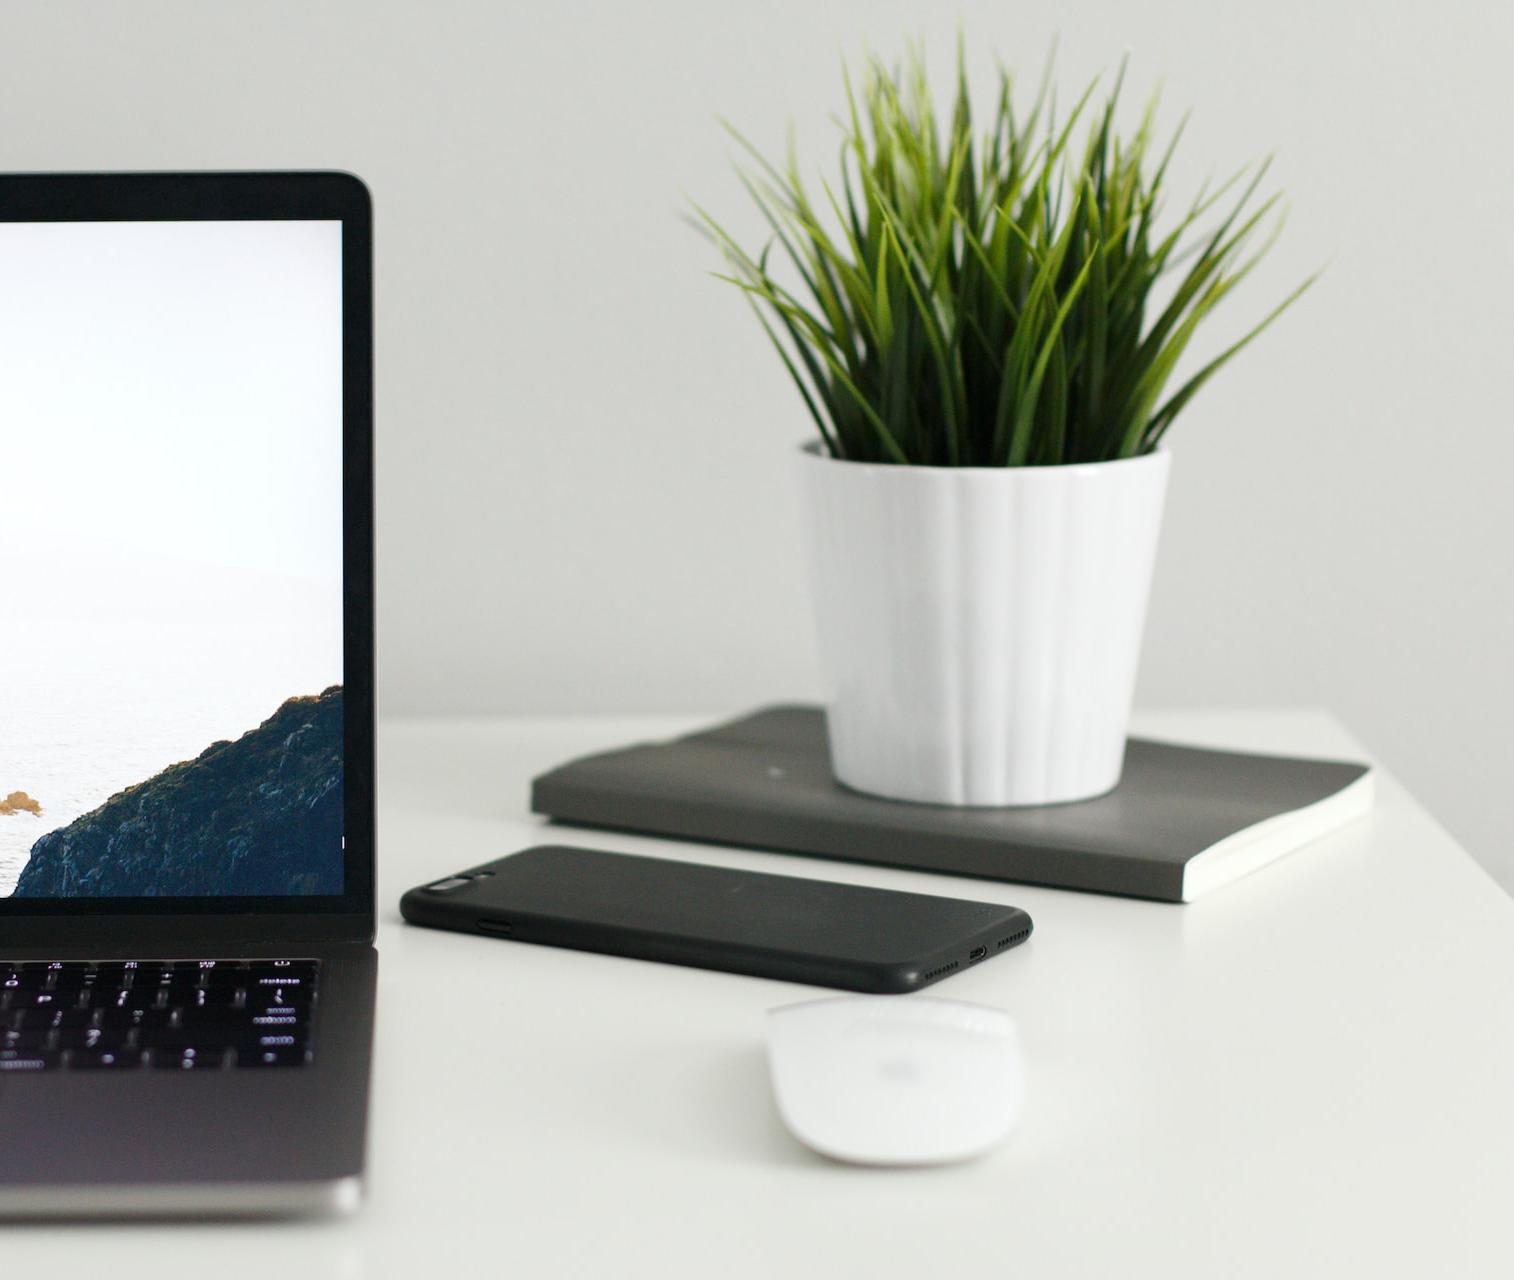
(269, 998)
(267, 1022)
(213, 1020)
(286, 982)
(47, 1019)
(191, 1058)
(200, 1038)
(13, 1060)
(104, 1060)
(26, 977)
(118, 1019)
(212, 1000)
(132, 997)
(36, 998)
(270, 1057)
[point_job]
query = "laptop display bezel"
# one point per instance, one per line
(241, 196)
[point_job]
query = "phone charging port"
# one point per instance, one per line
(501, 928)
(977, 953)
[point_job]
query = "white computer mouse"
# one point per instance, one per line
(895, 1080)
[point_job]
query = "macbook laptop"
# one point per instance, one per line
(186, 693)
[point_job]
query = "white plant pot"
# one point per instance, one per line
(980, 627)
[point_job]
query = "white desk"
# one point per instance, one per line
(1310, 1073)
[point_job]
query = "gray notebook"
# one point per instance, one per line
(1183, 821)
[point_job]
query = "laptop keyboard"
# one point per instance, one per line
(180, 1015)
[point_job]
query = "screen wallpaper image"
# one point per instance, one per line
(170, 559)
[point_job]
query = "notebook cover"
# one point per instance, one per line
(765, 780)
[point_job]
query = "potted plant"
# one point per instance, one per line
(984, 328)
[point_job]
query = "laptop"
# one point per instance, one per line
(186, 693)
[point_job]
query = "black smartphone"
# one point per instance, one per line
(812, 931)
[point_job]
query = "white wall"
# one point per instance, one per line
(584, 446)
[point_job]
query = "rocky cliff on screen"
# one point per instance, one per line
(261, 815)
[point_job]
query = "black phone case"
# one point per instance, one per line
(768, 926)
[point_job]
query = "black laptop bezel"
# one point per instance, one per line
(152, 923)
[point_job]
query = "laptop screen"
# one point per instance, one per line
(171, 559)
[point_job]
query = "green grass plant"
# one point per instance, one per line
(966, 298)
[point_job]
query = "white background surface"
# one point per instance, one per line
(1303, 1075)
(584, 490)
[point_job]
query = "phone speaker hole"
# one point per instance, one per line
(1011, 940)
(940, 969)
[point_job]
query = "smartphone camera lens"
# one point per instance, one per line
(447, 885)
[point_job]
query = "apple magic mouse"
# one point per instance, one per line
(895, 1080)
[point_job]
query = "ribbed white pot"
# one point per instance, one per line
(980, 627)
